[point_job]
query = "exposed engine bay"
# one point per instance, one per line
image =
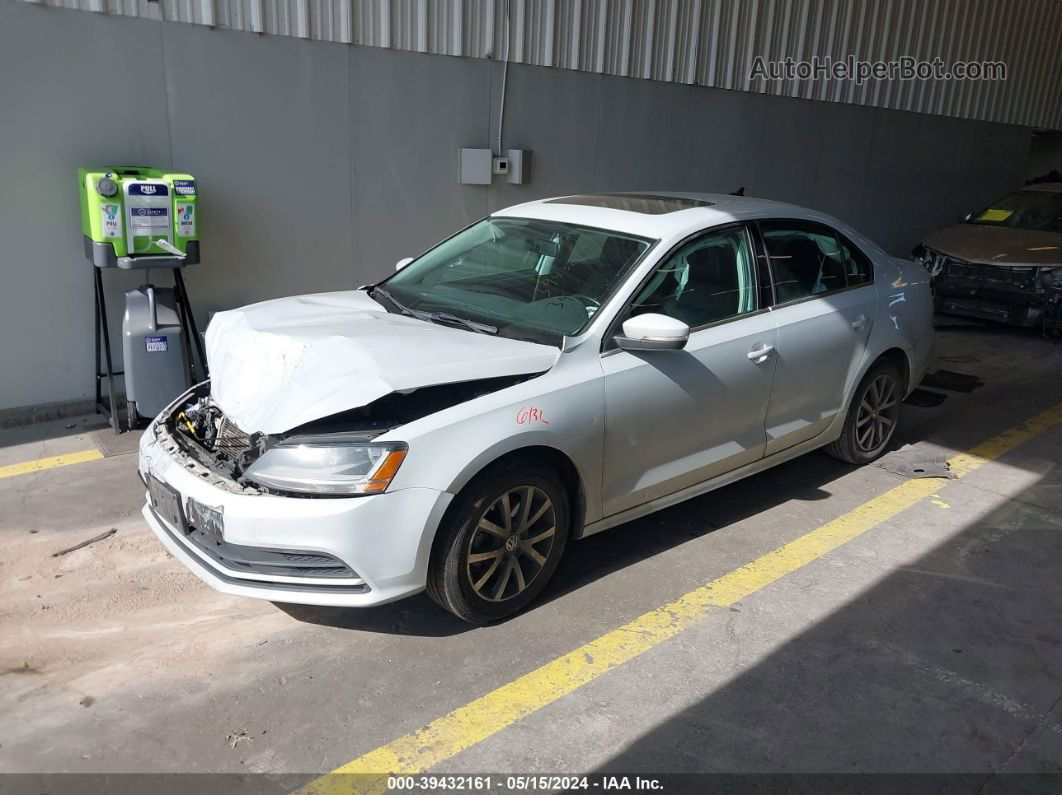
(203, 432)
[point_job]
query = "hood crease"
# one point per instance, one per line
(279, 364)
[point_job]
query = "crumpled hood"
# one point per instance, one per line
(998, 245)
(282, 363)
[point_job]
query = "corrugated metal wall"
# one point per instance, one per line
(705, 42)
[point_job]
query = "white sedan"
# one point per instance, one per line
(551, 371)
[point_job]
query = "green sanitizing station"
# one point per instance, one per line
(135, 218)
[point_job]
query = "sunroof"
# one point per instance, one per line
(633, 202)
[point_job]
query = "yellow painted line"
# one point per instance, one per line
(967, 462)
(26, 467)
(479, 719)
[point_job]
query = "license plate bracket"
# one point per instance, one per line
(167, 504)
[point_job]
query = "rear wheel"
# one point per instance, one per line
(872, 417)
(500, 543)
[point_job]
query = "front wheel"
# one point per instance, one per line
(500, 543)
(872, 416)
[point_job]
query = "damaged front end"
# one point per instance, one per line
(205, 435)
(333, 456)
(1019, 296)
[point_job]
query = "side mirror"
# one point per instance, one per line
(402, 263)
(652, 332)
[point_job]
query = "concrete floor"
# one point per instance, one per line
(931, 643)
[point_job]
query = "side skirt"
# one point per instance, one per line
(726, 479)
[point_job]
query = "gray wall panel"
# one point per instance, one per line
(410, 114)
(272, 155)
(555, 114)
(639, 117)
(841, 162)
(1045, 154)
(898, 199)
(923, 173)
(722, 123)
(785, 148)
(59, 114)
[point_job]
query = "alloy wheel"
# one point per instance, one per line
(511, 543)
(878, 410)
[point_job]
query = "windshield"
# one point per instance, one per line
(516, 277)
(1025, 209)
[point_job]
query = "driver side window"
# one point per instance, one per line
(711, 278)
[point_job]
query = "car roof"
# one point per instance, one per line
(1048, 187)
(658, 214)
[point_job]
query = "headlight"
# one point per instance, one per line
(330, 464)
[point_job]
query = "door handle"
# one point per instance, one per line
(859, 322)
(760, 352)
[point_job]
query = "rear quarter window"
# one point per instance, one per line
(858, 267)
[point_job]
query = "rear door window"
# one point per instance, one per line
(808, 260)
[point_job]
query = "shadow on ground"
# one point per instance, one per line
(600, 555)
(951, 664)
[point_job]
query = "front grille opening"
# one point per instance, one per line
(270, 562)
(339, 586)
(1024, 277)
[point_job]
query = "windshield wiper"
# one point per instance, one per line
(381, 291)
(435, 317)
(446, 317)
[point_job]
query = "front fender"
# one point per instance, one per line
(562, 411)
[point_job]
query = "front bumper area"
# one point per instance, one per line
(988, 292)
(384, 539)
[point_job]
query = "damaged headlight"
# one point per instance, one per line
(332, 464)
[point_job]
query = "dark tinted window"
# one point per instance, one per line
(806, 259)
(857, 265)
(708, 279)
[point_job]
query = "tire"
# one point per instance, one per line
(876, 401)
(479, 561)
(132, 417)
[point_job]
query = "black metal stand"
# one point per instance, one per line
(109, 409)
(190, 330)
(192, 349)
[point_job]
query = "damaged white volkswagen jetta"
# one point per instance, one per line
(551, 371)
